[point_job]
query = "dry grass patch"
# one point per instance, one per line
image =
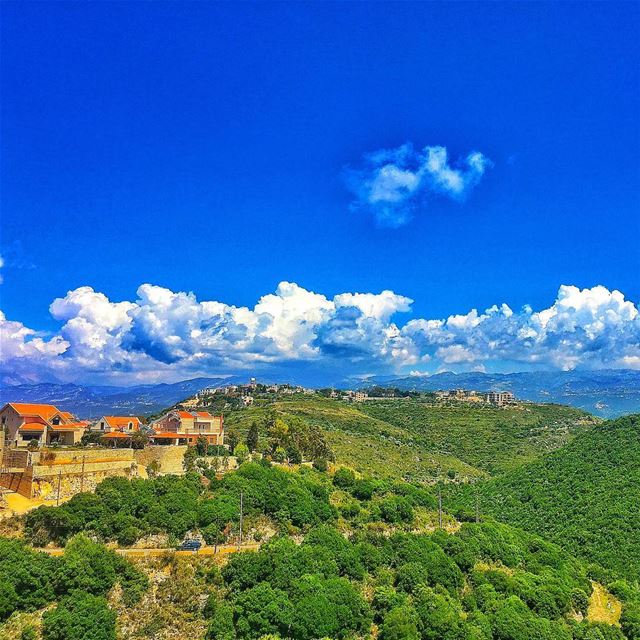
(603, 606)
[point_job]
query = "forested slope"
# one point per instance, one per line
(584, 496)
(417, 440)
(342, 557)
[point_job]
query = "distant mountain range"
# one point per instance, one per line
(87, 401)
(607, 393)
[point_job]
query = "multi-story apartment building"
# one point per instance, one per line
(185, 427)
(500, 398)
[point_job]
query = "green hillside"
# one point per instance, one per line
(490, 438)
(584, 496)
(340, 557)
(416, 439)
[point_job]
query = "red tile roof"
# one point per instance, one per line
(122, 421)
(46, 411)
(32, 426)
(68, 427)
(115, 434)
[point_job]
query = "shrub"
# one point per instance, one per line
(320, 464)
(294, 455)
(344, 478)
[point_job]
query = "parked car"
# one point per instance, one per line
(190, 545)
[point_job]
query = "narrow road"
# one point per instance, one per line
(148, 553)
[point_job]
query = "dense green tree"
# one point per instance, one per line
(25, 578)
(91, 567)
(583, 496)
(241, 452)
(630, 620)
(202, 445)
(410, 576)
(344, 478)
(400, 623)
(514, 621)
(363, 489)
(80, 616)
(396, 509)
(440, 615)
(221, 625)
(262, 610)
(293, 455)
(253, 437)
(232, 438)
(139, 440)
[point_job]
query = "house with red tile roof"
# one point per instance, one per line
(185, 427)
(117, 428)
(23, 423)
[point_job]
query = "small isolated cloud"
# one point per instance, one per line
(1, 267)
(393, 183)
(163, 334)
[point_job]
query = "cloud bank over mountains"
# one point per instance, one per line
(393, 183)
(166, 335)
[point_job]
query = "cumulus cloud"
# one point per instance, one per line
(392, 183)
(170, 335)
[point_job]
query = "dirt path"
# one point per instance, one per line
(18, 504)
(146, 553)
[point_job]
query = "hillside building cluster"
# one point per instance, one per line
(495, 398)
(37, 425)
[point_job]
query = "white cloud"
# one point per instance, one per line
(171, 335)
(393, 183)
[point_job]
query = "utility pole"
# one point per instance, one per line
(241, 505)
(477, 506)
(84, 455)
(59, 481)
(439, 504)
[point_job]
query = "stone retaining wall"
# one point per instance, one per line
(170, 458)
(79, 470)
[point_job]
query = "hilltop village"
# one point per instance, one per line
(48, 453)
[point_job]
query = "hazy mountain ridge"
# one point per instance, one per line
(607, 393)
(94, 401)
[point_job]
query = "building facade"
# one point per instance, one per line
(123, 424)
(500, 398)
(117, 429)
(185, 427)
(43, 424)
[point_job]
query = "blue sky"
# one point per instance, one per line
(212, 148)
